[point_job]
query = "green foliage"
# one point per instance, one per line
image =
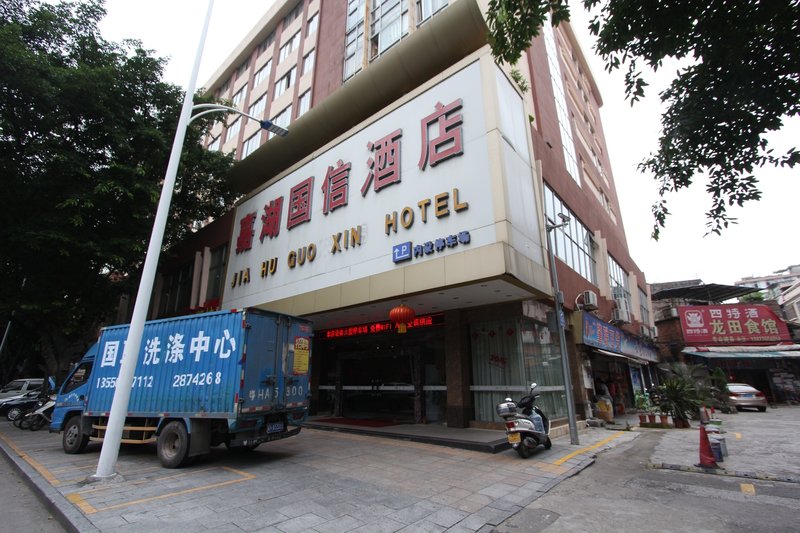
(514, 23)
(641, 401)
(86, 128)
(741, 79)
(752, 297)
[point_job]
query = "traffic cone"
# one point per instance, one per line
(706, 455)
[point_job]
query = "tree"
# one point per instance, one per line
(740, 82)
(86, 128)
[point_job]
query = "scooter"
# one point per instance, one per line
(39, 415)
(526, 425)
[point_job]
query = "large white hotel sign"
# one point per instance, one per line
(412, 185)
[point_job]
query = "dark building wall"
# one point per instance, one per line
(329, 67)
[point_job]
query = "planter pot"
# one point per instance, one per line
(642, 418)
(682, 423)
(664, 419)
(651, 419)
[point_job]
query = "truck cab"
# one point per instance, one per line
(72, 395)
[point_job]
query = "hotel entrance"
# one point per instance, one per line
(382, 378)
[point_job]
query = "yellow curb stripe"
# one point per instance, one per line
(245, 477)
(588, 448)
(78, 501)
(44, 472)
(748, 488)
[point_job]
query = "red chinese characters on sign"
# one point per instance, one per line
(447, 142)
(300, 203)
(246, 231)
(335, 187)
(731, 324)
(384, 168)
(271, 219)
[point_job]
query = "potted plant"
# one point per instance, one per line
(679, 399)
(642, 404)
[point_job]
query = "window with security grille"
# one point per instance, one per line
(251, 144)
(354, 39)
(286, 82)
(427, 8)
(263, 73)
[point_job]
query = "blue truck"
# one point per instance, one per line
(238, 378)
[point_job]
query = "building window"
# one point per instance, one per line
(508, 352)
(304, 103)
(426, 9)
(251, 144)
(213, 146)
(389, 23)
(313, 24)
(262, 74)
(242, 69)
(286, 81)
(266, 43)
(222, 92)
(293, 14)
(282, 119)
(618, 279)
(238, 98)
(215, 272)
(257, 108)
(644, 311)
(308, 62)
(233, 130)
(573, 243)
(290, 46)
(564, 122)
(177, 292)
(354, 41)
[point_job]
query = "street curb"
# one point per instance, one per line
(62, 510)
(723, 472)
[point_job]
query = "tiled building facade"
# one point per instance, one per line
(493, 168)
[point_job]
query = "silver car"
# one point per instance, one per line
(18, 387)
(743, 395)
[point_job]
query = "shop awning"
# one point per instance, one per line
(746, 352)
(623, 356)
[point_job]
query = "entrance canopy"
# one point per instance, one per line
(745, 352)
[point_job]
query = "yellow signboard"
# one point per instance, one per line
(301, 355)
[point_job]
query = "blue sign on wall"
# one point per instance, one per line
(401, 252)
(607, 337)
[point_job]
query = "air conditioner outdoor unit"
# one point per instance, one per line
(589, 300)
(620, 314)
(644, 331)
(654, 333)
(673, 312)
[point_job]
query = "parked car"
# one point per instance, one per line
(743, 395)
(11, 408)
(18, 387)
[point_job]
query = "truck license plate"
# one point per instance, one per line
(274, 427)
(514, 438)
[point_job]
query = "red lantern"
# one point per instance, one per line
(402, 315)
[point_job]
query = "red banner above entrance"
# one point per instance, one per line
(380, 327)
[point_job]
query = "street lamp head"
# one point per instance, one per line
(274, 128)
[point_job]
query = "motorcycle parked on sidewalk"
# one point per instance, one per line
(38, 416)
(526, 425)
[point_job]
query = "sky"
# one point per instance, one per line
(763, 241)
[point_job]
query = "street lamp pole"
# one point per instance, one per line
(122, 393)
(559, 305)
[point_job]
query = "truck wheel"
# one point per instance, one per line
(173, 445)
(73, 441)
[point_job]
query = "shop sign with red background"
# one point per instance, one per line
(731, 324)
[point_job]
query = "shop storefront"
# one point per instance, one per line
(747, 341)
(616, 363)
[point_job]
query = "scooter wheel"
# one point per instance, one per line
(548, 444)
(523, 451)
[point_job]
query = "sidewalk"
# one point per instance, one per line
(318, 481)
